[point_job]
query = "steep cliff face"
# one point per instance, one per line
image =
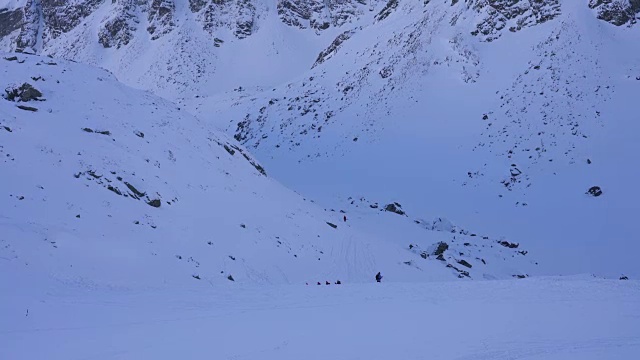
(511, 15)
(320, 15)
(119, 27)
(238, 16)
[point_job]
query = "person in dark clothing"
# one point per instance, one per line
(345, 218)
(328, 283)
(378, 277)
(338, 282)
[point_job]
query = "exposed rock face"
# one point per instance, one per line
(10, 21)
(617, 12)
(28, 37)
(161, 18)
(240, 16)
(327, 53)
(118, 30)
(513, 15)
(61, 16)
(387, 10)
(317, 14)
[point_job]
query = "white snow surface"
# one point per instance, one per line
(535, 319)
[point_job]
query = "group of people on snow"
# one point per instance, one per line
(378, 279)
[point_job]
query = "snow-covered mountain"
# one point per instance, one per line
(501, 115)
(506, 116)
(131, 228)
(104, 185)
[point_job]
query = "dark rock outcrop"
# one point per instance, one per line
(441, 248)
(327, 53)
(617, 12)
(26, 92)
(512, 14)
(394, 208)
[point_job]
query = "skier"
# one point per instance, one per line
(327, 283)
(338, 282)
(345, 218)
(378, 277)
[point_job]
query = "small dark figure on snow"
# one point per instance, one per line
(378, 277)
(338, 282)
(345, 218)
(319, 283)
(328, 283)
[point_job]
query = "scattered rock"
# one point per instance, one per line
(196, 277)
(332, 225)
(623, 277)
(464, 263)
(230, 278)
(520, 276)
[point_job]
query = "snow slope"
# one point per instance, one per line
(499, 115)
(504, 131)
(536, 319)
(107, 186)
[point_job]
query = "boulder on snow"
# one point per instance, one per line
(27, 108)
(508, 244)
(594, 191)
(25, 92)
(155, 203)
(394, 208)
